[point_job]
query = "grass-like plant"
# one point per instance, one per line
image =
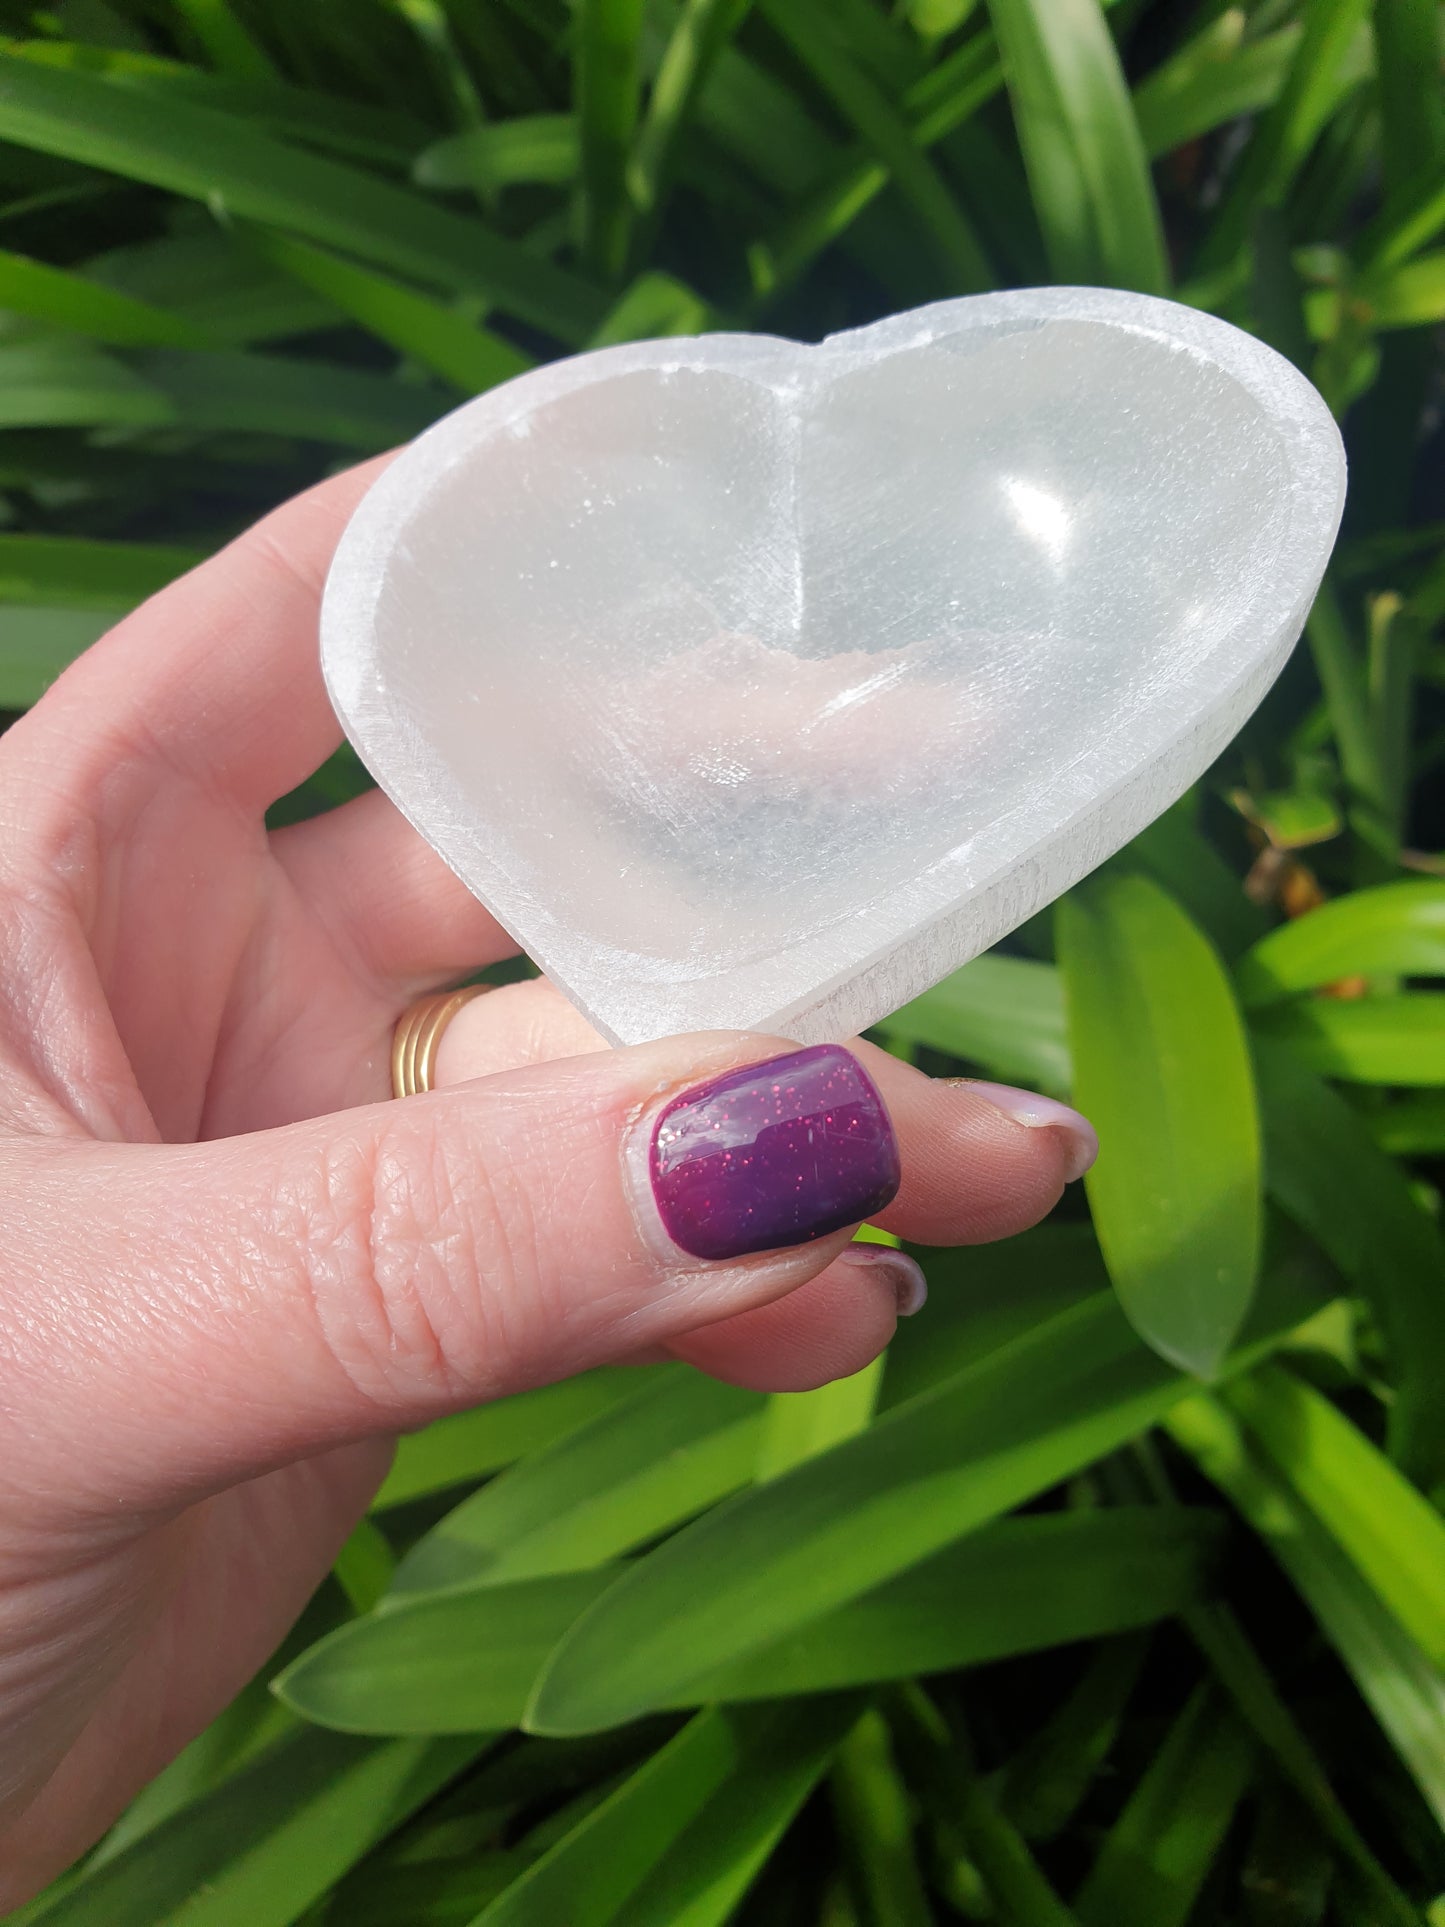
(1117, 1596)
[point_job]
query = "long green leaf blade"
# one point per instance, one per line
(1396, 929)
(608, 90)
(69, 572)
(679, 1844)
(1327, 1174)
(1081, 143)
(44, 293)
(211, 156)
(1149, 1871)
(681, 1442)
(1405, 1692)
(270, 1840)
(1162, 1067)
(771, 1560)
(1394, 1536)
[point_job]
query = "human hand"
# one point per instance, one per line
(234, 1270)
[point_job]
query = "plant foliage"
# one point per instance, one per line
(1118, 1594)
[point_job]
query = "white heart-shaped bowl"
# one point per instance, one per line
(758, 685)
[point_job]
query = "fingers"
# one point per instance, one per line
(974, 1171)
(192, 1315)
(980, 1161)
(217, 678)
(828, 1328)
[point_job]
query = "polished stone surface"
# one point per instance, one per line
(760, 685)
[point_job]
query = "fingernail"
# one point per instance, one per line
(904, 1274)
(772, 1155)
(1045, 1113)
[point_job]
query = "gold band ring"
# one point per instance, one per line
(418, 1035)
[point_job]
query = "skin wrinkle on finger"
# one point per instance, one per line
(382, 1287)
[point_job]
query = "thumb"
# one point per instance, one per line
(202, 1313)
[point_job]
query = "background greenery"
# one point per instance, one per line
(1149, 1499)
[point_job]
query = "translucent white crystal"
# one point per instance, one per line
(758, 685)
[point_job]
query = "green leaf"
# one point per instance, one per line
(1326, 1173)
(1331, 57)
(1405, 1692)
(456, 1662)
(983, 1297)
(874, 1823)
(652, 306)
(44, 293)
(1397, 929)
(1156, 1856)
(1394, 1537)
(1411, 1127)
(36, 643)
(468, 1659)
(1005, 1014)
(1162, 1068)
(1174, 852)
(364, 1566)
(471, 358)
(64, 571)
(1411, 295)
(383, 136)
(680, 1843)
(608, 88)
(66, 384)
(1081, 144)
(680, 1442)
(769, 1561)
(63, 384)
(1411, 217)
(213, 279)
(703, 30)
(466, 1447)
(1412, 120)
(1018, 1586)
(214, 157)
(227, 42)
(1248, 1682)
(1216, 77)
(536, 148)
(278, 395)
(1342, 678)
(804, 25)
(269, 1840)
(1365, 1040)
(943, 1774)
(938, 103)
(798, 1425)
(1047, 1779)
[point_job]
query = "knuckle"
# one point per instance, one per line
(412, 1264)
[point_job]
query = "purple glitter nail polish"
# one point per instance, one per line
(774, 1154)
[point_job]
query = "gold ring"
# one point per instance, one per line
(419, 1033)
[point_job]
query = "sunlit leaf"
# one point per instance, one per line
(1154, 1859)
(1162, 1068)
(1081, 143)
(1326, 1172)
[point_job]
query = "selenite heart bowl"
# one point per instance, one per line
(755, 685)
